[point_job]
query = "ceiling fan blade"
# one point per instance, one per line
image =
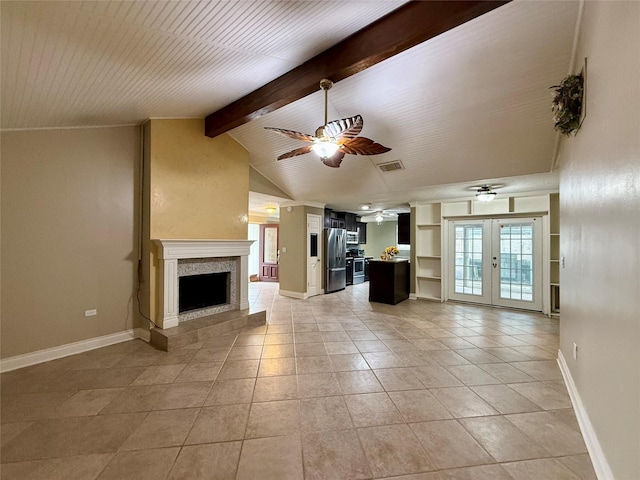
(292, 134)
(296, 152)
(344, 128)
(363, 146)
(335, 160)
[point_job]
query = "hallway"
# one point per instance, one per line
(334, 387)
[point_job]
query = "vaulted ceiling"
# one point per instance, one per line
(468, 106)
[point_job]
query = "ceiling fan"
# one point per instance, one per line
(485, 192)
(333, 139)
(380, 215)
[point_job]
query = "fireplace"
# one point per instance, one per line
(196, 292)
(187, 270)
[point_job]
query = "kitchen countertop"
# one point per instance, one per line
(393, 260)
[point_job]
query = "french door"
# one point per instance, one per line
(496, 262)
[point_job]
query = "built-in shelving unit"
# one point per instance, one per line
(428, 269)
(554, 254)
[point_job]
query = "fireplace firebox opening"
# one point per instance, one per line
(196, 292)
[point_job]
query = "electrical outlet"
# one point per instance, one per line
(562, 261)
(575, 351)
(90, 313)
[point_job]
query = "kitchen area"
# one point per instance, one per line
(351, 245)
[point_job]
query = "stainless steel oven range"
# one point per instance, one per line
(358, 270)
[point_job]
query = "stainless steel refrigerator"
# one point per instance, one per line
(336, 261)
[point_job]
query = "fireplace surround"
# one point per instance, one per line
(191, 257)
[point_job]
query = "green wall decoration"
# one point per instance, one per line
(567, 105)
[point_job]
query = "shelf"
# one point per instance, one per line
(554, 284)
(428, 214)
(429, 297)
(555, 299)
(558, 261)
(428, 248)
(552, 234)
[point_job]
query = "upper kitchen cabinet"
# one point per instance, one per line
(346, 220)
(404, 228)
(333, 219)
(351, 220)
(362, 232)
(337, 223)
(327, 217)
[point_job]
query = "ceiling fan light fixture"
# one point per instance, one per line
(325, 147)
(379, 217)
(366, 206)
(485, 194)
(341, 137)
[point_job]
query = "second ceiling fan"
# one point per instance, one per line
(333, 139)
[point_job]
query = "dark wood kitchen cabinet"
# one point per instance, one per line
(404, 228)
(362, 232)
(350, 221)
(327, 217)
(337, 223)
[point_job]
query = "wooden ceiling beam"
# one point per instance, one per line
(409, 25)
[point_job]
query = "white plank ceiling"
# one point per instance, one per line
(468, 106)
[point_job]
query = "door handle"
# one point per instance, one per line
(494, 262)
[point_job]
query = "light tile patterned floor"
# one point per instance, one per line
(332, 388)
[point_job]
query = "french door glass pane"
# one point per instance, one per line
(516, 261)
(468, 259)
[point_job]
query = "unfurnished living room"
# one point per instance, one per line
(367, 239)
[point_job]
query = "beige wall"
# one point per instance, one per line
(293, 236)
(600, 231)
(379, 237)
(260, 184)
(197, 187)
(69, 217)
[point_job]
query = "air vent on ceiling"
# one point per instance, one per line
(390, 166)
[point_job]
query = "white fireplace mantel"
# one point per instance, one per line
(170, 251)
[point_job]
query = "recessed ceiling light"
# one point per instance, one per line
(365, 207)
(270, 210)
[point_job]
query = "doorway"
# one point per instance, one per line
(269, 252)
(496, 262)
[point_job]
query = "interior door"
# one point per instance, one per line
(497, 262)
(314, 255)
(269, 253)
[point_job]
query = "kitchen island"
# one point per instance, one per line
(388, 280)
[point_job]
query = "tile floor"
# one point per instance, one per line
(332, 388)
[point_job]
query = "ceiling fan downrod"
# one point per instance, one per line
(326, 84)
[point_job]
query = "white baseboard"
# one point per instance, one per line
(599, 461)
(40, 356)
(413, 296)
(289, 293)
